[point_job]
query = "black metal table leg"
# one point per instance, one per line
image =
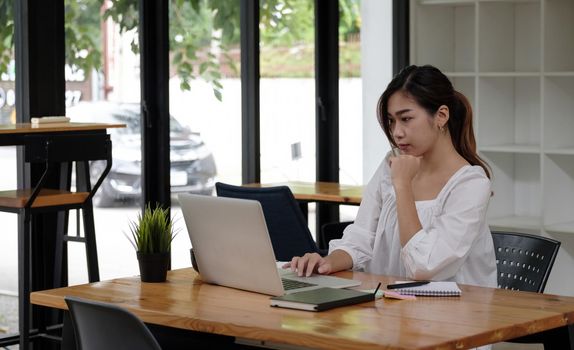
(24, 283)
(83, 184)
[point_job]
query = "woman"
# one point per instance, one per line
(423, 214)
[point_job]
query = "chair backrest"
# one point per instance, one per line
(105, 326)
(287, 227)
(332, 230)
(524, 261)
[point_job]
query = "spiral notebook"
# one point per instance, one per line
(435, 289)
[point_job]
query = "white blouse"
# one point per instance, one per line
(454, 243)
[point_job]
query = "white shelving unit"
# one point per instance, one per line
(514, 60)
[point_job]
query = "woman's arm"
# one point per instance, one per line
(403, 170)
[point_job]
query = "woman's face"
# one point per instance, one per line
(413, 129)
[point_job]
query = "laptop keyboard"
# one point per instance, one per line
(291, 284)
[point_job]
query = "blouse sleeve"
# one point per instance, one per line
(438, 251)
(358, 238)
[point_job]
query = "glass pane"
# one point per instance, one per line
(205, 102)
(287, 91)
(350, 100)
(103, 85)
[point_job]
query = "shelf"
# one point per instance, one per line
(509, 37)
(560, 151)
(471, 2)
(559, 74)
(565, 227)
(510, 1)
(509, 111)
(558, 32)
(515, 222)
(514, 60)
(466, 86)
(432, 27)
(515, 184)
(511, 148)
(558, 190)
(447, 2)
(558, 112)
(460, 74)
(509, 74)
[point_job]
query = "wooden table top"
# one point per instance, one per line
(320, 191)
(480, 316)
(27, 128)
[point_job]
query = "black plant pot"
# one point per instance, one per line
(153, 267)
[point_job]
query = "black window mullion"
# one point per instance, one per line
(327, 102)
(40, 91)
(154, 62)
(250, 130)
(400, 35)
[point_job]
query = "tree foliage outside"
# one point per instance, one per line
(6, 34)
(204, 34)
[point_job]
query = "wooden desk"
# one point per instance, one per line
(480, 316)
(327, 192)
(42, 244)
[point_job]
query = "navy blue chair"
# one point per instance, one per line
(287, 226)
(105, 326)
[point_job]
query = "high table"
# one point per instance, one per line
(480, 316)
(36, 136)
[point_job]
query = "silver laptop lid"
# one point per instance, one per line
(231, 243)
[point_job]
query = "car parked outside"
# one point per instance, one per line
(193, 167)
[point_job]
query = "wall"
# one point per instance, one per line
(376, 71)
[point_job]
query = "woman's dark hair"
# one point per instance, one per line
(430, 88)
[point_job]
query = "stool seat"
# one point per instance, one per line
(46, 198)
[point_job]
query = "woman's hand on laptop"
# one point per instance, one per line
(309, 263)
(305, 265)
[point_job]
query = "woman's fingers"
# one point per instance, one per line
(307, 264)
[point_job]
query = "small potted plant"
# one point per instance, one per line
(152, 234)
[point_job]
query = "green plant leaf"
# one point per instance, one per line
(153, 230)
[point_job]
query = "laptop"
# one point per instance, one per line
(232, 248)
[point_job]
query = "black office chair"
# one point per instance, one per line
(332, 230)
(524, 261)
(105, 326)
(287, 227)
